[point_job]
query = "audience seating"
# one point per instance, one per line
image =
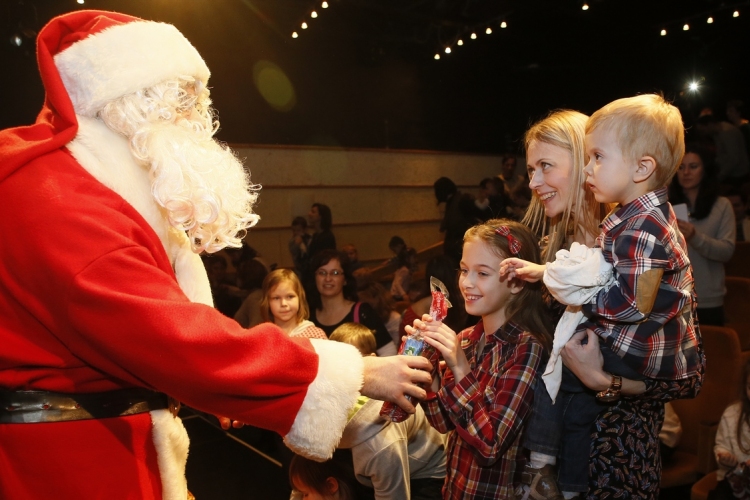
(739, 264)
(737, 312)
(700, 416)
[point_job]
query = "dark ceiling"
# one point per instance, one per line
(363, 73)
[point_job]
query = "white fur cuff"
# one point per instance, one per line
(323, 415)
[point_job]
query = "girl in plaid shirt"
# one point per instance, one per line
(485, 393)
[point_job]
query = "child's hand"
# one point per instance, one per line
(442, 338)
(726, 459)
(521, 269)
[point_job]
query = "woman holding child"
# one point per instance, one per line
(624, 449)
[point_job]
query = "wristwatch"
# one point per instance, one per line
(611, 393)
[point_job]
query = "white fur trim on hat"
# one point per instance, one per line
(322, 417)
(123, 59)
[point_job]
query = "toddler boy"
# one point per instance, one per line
(645, 319)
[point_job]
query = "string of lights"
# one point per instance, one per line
(709, 17)
(311, 15)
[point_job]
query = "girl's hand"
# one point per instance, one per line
(521, 269)
(726, 459)
(687, 229)
(442, 338)
(586, 360)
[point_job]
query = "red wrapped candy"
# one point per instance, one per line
(414, 345)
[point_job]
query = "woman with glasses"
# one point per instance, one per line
(333, 300)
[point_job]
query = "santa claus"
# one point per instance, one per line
(105, 307)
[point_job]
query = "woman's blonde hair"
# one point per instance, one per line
(271, 281)
(582, 214)
(526, 308)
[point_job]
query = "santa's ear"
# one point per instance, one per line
(644, 169)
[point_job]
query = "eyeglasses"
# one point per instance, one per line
(323, 273)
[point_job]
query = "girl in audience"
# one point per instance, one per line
(485, 395)
(284, 305)
(710, 230)
(333, 300)
(732, 449)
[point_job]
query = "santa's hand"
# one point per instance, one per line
(390, 378)
(521, 269)
(226, 423)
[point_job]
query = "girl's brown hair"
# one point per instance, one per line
(315, 475)
(527, 307)
(271, 281)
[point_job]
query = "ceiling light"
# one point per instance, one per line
(686, 27)
(447, 50)
(663, 32)
(488, 30)
(324, 5)
(473, 36)
(710, 20)
(460, 42)
(313, 14)
(503, 24)
(585, 6)
(294, 35)
(304, 26)
(437, 56)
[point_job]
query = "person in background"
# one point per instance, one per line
(298, 245)
(736, 116)
(407, 264)
(710, 230)
(399, 460)
(321, 220)
(396, 244)
(731, 153)
(732, 448)
(516, 186)
(491, 201)
(351, 251)
(670, 433)
(285, 305)
(738, 199)
(373, 293)
(460, 215)
(250, 277)
(333, 300)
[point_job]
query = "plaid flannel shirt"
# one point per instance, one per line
(487, 411)
(662, 343)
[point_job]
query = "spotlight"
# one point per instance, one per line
(437, 56)
(710, 20)
(447, 50)
(16, 40)
(693, 86)
(488, 30)
(460, 42)
(324, 5)
(585, 6)
(663, 32)
(294, 35)
(686, 27)
(313, 14)
(473, 36)
(503, 24)
(736, 13)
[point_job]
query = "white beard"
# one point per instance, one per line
(201, 184)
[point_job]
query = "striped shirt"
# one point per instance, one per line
(487, 411)
(662, 343)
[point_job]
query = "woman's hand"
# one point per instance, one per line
(521, 269)
(587, 363)
(586, 360)
(687, 229)
(442, 338)
(727, 459)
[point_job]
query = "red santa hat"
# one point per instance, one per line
(104, 55)
(88, 58)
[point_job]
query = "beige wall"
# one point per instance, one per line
(373, 194)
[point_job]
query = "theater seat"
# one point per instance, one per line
(700, 416)
(736, 304)
(739, 264)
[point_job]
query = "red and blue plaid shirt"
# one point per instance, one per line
(487, 411)
(663, 343)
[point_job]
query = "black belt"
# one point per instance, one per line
(27, 407)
